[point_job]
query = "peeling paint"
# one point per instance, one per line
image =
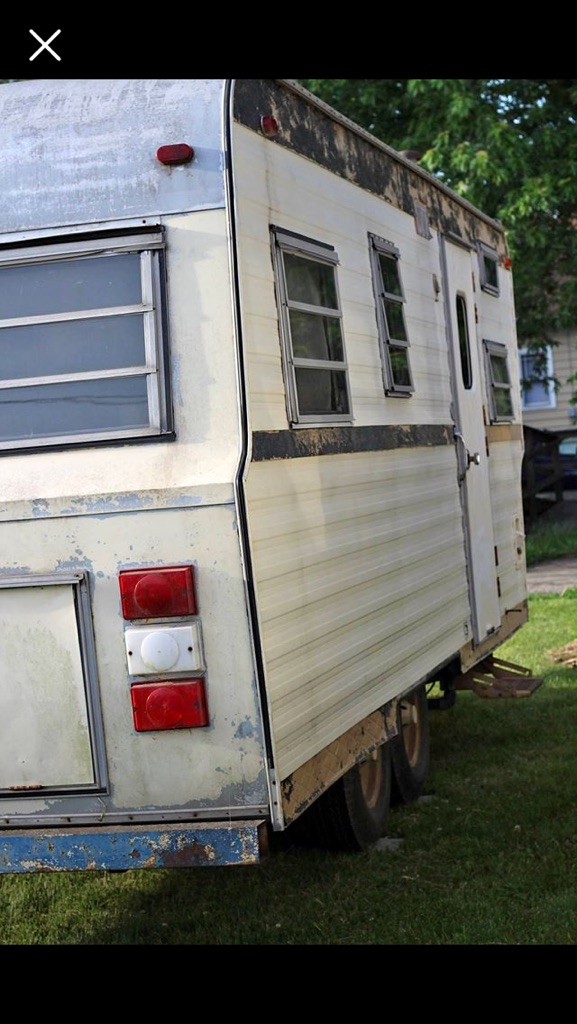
(74, 564)
(245, 730)
(122, 848)
(40, 507)
(114, 503)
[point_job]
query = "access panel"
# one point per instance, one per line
(50, 726)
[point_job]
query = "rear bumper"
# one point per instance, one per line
(123, 848)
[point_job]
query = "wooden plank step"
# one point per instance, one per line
(493, 677)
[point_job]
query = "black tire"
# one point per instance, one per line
(353, 813)
(411, 749)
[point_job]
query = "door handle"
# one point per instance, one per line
(465, 458)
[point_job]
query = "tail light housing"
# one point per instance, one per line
(163, 649)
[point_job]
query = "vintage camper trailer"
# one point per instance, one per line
(260, 444)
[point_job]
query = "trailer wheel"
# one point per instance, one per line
(410, 750)
(353, 813)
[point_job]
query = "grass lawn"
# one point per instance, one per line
(487, 857)
(551, 537)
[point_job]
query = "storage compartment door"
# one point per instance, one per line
(50, 729)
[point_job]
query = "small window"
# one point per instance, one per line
(500, 397)
(537, 383)
(464, 343)
(81, 342)
(311, 330)
(390, 302)
(488, 267)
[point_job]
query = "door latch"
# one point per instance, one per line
(465, 457)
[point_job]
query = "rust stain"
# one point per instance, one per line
(310, 780)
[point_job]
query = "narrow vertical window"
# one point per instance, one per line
(390, 305)
(464, 343)
(311, 330)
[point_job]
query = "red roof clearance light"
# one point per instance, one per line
(269, 125)
(157, 593)
(169, 705)
(178, 153)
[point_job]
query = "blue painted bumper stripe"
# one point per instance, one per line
(122, 848)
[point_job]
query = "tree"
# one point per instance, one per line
(510, 147)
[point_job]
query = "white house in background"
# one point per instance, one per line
(544, 407)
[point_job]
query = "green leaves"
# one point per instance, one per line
(510, 147)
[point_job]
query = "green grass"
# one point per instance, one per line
(551, 540)
(488, 856)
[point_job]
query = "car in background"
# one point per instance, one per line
(550, 461)
(568, 458)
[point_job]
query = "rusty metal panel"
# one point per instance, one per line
(124, 848)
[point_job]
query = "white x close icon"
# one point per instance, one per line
(45, 45)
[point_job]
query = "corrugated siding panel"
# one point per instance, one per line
(508, 525)
(356, 602)
(497, 323)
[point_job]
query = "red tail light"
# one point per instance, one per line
(169, 705)
(156, 593)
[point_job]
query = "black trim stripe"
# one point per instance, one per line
(305, 443)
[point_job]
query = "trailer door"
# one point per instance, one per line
(472, 454)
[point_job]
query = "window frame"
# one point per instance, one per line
(149, 244)
(498, 349)
(377, 247)
(487, 253)
(547, 384)
(284, 241)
